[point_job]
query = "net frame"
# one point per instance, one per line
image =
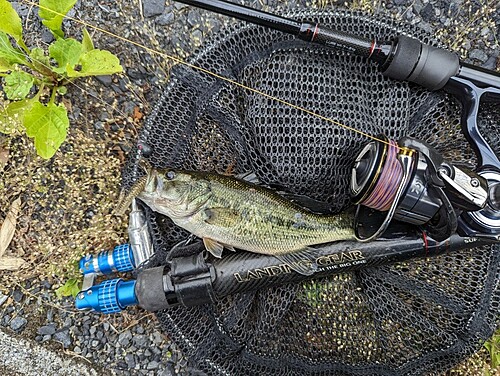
(410, 318)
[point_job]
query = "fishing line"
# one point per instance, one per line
(384, 192)
(213, 74)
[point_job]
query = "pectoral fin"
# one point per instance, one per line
(214, 247)
(222, 217)
(302, 261)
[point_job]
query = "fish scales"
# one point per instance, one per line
(239, 214)
(281, 225)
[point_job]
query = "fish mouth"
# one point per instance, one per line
(152, 182)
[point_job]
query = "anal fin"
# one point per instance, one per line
(302, 261)
(230, 247)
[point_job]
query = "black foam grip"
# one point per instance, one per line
(428, 66)
(405, 58)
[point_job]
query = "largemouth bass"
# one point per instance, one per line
(232, 213)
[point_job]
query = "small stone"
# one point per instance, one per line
(140, 340)
(3, 298)
(129, 358)
(63, 337)
(153, 7)
(105, 80)
(95, 343)
(46, 285)
(197, 35)
(21, 8)
(77, 350)
(5, 320)
(167, 372)
(46, 338)
(47, 37)
(18, 323)
(489, 64)
(478, 55)
(485, 31)
(124, 338)
(105, 326)
(68, 322)
(179, 6)
(194, 18)
(214, 25)
(427, 12)
(139, 329)
(165, 19)
(17, 295)
(152, 365)
(47, 330)
(157, 338)
(98, 126)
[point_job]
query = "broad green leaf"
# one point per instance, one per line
(66, 52)
(10, 22)
(8, 54)
(96, 63)
(48, 125)
(4, 66)
(70, 288)
(40, 61)
(88, 45)
(12, 116)
(53, 11)
(18, 85)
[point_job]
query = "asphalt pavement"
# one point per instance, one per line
(26, 358)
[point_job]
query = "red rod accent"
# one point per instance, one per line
(372, 48)
(316, 29)
(426, 243)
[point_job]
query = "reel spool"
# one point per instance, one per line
(380, 182)
(413, 183)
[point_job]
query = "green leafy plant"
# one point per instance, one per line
(34, 79)
(493, 347)
(70, 288)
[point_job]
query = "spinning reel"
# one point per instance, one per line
(411, 182)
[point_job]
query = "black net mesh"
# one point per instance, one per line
(411, 318)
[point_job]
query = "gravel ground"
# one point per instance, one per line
(133, 343)
(21, 355)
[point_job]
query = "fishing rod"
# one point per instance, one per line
(195, 279)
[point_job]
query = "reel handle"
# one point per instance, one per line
(470, 95)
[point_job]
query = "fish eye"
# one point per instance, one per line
(170, 175)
